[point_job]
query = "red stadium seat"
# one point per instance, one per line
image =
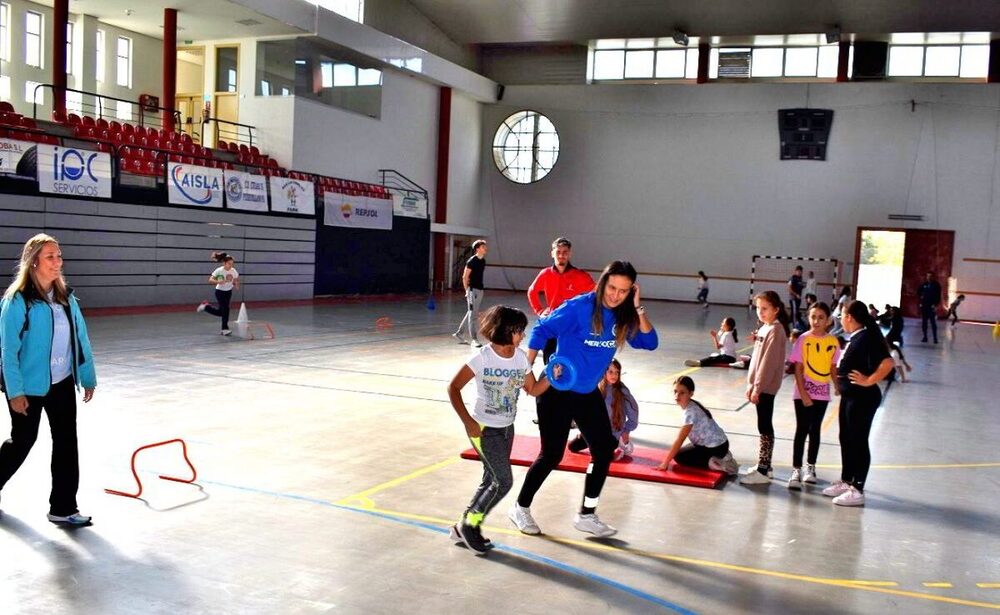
(73, 119)
(103, 123)
(6, 107)
(222, 145)
(115, 126)
(57, 115)
(254, 150)
(88, 121)
(27, 122)
(234, 147)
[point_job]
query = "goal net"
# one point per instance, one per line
(773, 273)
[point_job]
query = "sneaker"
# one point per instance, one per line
(851, 497)
(738, 364)
(454, 537)
(477, 344)
(809, 475)
(692, 363)
(754, 477)
(461, 340)
(730, 465)
(521, 517)
(714, 463)
(705, 305)
(74, 519)
(201, 307)
(225, 332)
(795, 480)
(628, 448)
(590, 523)
(836, 489)
(619, 453)
(472, 538)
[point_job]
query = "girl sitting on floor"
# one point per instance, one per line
(622, 410)
(725, 340)
(709, 447)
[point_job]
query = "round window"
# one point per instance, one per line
(526, 147)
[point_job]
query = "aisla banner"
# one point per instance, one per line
(11, 151)
(73, 172)
(293, 196)
(245, 191)
(188, 184)
(357, 211)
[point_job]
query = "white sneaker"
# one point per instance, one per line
(836, 489)
(201, 306)
(74, 519)
(521, 517)
(225, 332)
(730, 465)
(705, 305)
(795, 480)
(754, 477)
(809, 474)
(461, 340)
(851, 497)
(628, 448)
(738, 364)
(592, 524)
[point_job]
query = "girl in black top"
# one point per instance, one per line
(864, 363)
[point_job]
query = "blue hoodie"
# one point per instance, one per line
(589, 352)
(26, 357)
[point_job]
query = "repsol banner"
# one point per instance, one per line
(357, 211)
(188, 184)
(11, 151)
(69, 171)
(293, 196)
(409, 205)
(245, 191)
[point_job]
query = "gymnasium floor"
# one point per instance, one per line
(328, 472)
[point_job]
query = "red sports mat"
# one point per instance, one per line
(641, 465)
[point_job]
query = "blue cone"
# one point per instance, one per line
(430, 303)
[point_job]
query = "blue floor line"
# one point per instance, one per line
(638, 593)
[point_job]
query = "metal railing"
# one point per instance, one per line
(98, 106)
(231, 132)
(391, 178)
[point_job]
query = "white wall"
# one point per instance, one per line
(401, 19)
(465, 162)
(681, 178)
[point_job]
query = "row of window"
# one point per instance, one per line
(34, 51)
(121, 109)
(636, 62)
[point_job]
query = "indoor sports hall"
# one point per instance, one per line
(252, 354)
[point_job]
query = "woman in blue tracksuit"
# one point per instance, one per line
(45, 354)
(589, 329)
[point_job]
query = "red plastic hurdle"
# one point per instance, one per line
(194, 473)
(383, 324)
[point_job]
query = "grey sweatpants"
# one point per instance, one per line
(494, 450)
(473, 299)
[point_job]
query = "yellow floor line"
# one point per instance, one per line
(916, 466)
(988, 585)
(362, 496)
(938, 584)
(872, 586)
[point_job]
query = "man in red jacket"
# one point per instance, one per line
(558, 283)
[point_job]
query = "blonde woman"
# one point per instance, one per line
(46, 354)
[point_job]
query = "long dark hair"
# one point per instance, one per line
(688, 383)
(221, 257)
(617, 399)
(859, 312)
(626, 316)
(772, 297)
(731, 323)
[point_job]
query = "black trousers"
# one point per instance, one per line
(697, 456)
(60, 406)
(558, 410)
(928, 315)
(857, 411)
(223, 297)
(808, 422)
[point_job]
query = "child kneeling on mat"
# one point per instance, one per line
(622, 410)
(709, 447)
(501, 370)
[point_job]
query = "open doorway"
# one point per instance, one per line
(190, 89)
(891, 263)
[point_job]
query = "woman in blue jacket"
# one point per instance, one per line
(45, 354)
(589, 329)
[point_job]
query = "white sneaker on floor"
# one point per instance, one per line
(738, 364)
(795, 480)
(201, 306)
(461, 340)
(225, 332)
(74, 519)
(809, 474)
(592, 524)
(628, 448)
(851, 497)
(522, 519)
(730, 465)
(755, 477)
(836, 489)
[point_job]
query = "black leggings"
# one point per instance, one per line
(808, 422)
(765, 415)
(717, 359)
(558, 409)
(698, 456)
(857, 411)
(223, 297)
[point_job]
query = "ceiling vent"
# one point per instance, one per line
(734, 64)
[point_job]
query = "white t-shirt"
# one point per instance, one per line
(498, 382)
(226, 278)
(704, 431)
(61, 356)
(726, 343)
(810, 287)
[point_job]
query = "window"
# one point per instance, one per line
(285, 91)
(326, 74)
(4, 87)
(369, 76)
(975, 62)
(345, 75)
(767, 62)
(961, 61)
(123, 110)
(74, 103)
(265, 87)
(33, 93)
(642, 58)
(123, 63)
(226, 69)
(5, 32)
(69, 48)
(351, 9)
(99, 52)
(33, 39)
(526, 147)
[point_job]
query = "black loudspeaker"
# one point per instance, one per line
(870, 60)
(804, 133)
(500, 89)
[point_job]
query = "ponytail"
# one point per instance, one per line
(859, 312)
(731, 323)
(221, 257)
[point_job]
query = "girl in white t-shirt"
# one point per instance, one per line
(225, 279)
(709, 447)
(501, 370)
(725, 340)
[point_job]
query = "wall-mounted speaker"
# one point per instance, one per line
(500, 90)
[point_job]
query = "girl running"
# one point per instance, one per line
(767, 368)
(225, 278)
(709, 446)
(703, 289)
(725, 340)
(501, 370)
(622, 410)
(815, 357)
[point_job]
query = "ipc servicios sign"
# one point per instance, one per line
(69, 171)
